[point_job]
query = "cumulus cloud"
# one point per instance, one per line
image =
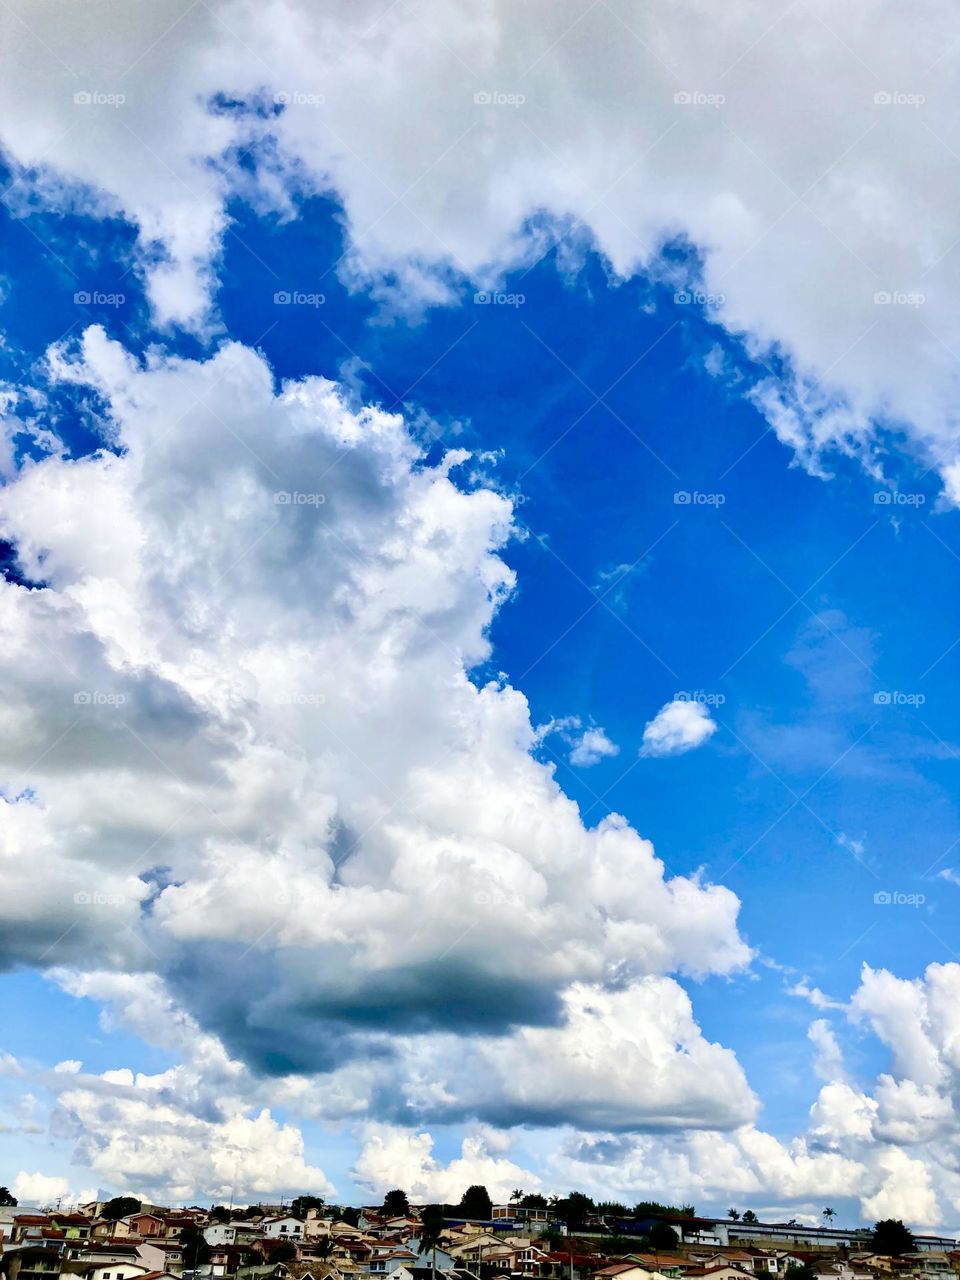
(390, 1156)
(816, 189)
(241, 603)
(829, 1058)
(588, 744)
(677, 727)
(43, 1189)
(591, 747)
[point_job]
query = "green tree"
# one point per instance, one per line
(476, 1203)
(733, 1215)
(613, 1209)
(662, 1236)
(653, 1209)
(891, 1237)
(302, 1204)
(797, 1272)
(6, 1198)
(120, 1207)
(196, 1251)
(750, 1216)
(828, 1215)
(534, 1201)
(220, 1213)
(396, 1204)
(349, 1215)
(283, 1251)
(431, 1233)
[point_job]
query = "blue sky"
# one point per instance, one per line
(671, 540)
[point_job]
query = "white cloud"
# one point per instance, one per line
(829, 1060)
(819, 194)
(394, 1157)
(677, 727)
(44, 1189)
(591, 747)
(588, 744)
(236, 840)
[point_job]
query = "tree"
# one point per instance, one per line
(516, 1195)
(733, 1215)
(302, 1204)
(396, 1204)
(431, 1232)
(653, 1209)
(829, 1214)
(573, 1209)
(891, 1237)
(283, 1251)
(797, 1272)
(196, 1251)
(220, 1213)
(476, 1203)
(749, 1216)
(349, 1215)
(120, 1207)
(534, 1201)
(613, 1209)
(6, 1198)
(662, 1237)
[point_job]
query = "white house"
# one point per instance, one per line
(282, 1227)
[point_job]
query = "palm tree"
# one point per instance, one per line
(829, 1214)
(733, 1215)
(431, 1238)
(516, 1194)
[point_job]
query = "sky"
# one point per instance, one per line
(479, 538)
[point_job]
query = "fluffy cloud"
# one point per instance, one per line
(677, 727)
(42, 1188)
(244, 597)
(809, 161)
(391, 1157)
(591, 747)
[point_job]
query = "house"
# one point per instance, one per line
(98, 1269)
(161, 1255)
(445, 1259)
(626, 1271)
(722, 1271)
(33, 1261)
(145, 1224)
(221, 1233)
(281, 1227)
(386, 1261)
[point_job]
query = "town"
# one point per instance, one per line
(569, 1238)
